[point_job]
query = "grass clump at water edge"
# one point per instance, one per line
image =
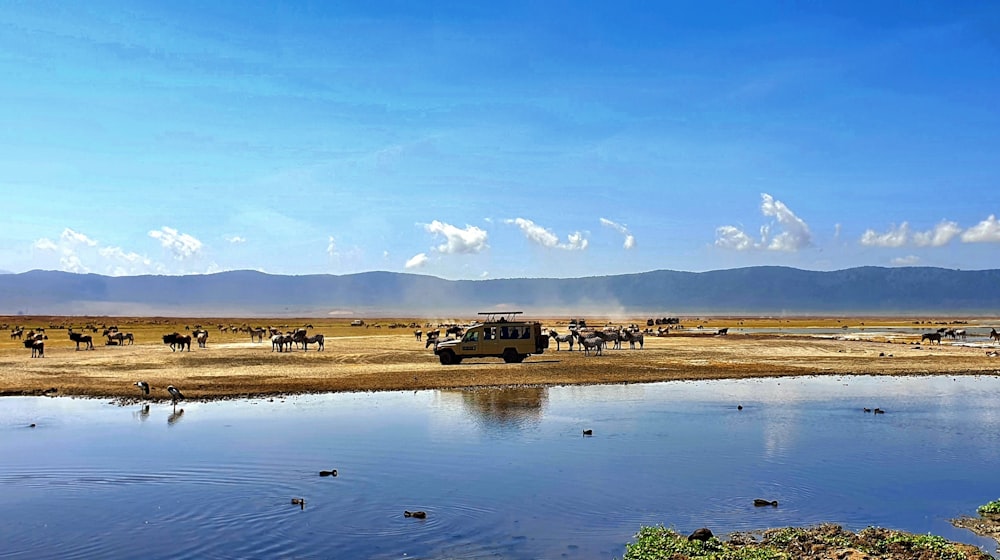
(992, 508)
(792, 543)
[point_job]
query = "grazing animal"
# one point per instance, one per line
(257, 335)
(315, 339)
(175, 394)
(117, 337)
(994, 335)
(933, 337)
(633, 337)
(143, 386)
(567, 338)
(590, 343)
(418, 335)
(37, 346)
(18, 334)
(176, 340)
(722, 332)
(432, 338)
(279, 341)
(202, 338)
(960, 333)
(86, 339)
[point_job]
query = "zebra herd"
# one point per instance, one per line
(285, 342)
(597, 340)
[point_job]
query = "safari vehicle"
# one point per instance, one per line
(499, 335)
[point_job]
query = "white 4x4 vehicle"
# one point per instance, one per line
(499, 335)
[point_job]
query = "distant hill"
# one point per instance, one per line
(765, 290)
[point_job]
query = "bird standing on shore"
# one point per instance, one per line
(143, 386)
(175, 395)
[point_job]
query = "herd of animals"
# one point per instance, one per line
(588, 339)
(34, 339)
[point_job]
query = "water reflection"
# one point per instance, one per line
(502, 407)
(142, 414)
(679, 454)
(175, 416)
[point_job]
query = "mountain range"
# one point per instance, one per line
(763, 290)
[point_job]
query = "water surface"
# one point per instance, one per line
(501, 473)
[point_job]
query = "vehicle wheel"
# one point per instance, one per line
(511, 356)
(447, 358)
(521, 357)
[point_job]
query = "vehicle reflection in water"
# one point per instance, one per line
(502, 408)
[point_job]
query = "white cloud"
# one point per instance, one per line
(74, 237)
(895, 237)
(794, 233)
(416, 261)
(236, 239)
(331, 247)
(545, 238)
(457, 240)
(629, 238)
(836, 231)
(731, 237)
(121, 262)
(45, 244)
(986, 231)
(908, 260)
(182, 245)
(941, 235)
(72, 263)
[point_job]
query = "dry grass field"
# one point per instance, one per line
(384, 358)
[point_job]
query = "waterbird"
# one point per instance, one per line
(739, 407)
(867, 410)
(328, 473)
(301, 502)
(415, 514)
(588, 432)
(143, 386)
(175, 395)
(760, 502)
(879, 411)
(702, 534)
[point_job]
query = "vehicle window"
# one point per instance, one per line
(489, 333)
(526, 333)
(471, 336)
(504, 332)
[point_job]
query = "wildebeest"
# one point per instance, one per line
(994, 335)
(86, 339)
(933, 337)
(722, 332)
(634, 337)
(177, 340)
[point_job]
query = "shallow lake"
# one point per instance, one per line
(502, 473)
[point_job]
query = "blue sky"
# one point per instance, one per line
(475, 140)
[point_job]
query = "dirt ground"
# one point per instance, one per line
(385, 355)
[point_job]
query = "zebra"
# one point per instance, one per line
(86, 339)
(315, 339)
(567, 338)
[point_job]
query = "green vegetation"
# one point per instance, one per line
(659, 543)
(990, 508)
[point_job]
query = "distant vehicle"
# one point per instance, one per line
(498, 335)
(357, 323)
